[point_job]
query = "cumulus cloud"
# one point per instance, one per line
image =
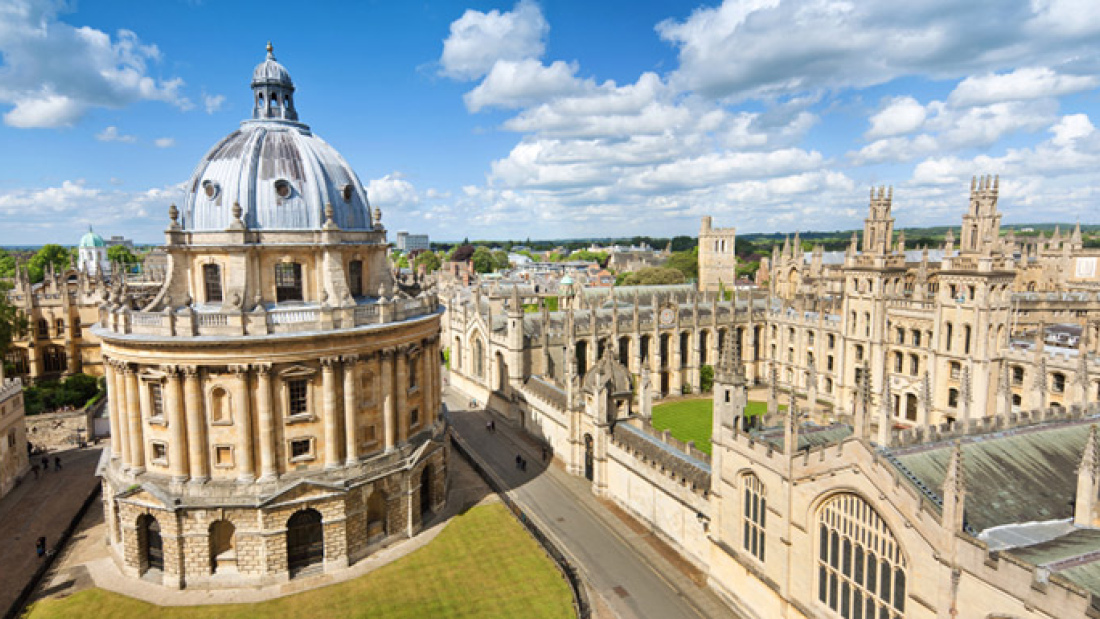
(164, 142)
(111, 134)
(213, 103)
(760, 48)
(53, 72)
(902, 115)
(1021, 84)
(478, 40)
(392, 191)
(512, 84)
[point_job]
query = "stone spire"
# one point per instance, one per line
(863, 405)
(925, 400)
(790, 428)
(964, 398)
(886, 412)
(1088, 482)
(954, 492)
(773, 392)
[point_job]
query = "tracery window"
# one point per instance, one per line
(861, 571)
(754, 516)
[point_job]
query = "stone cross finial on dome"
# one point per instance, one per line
(270, 51)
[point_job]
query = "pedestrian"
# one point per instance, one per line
(523, 464)
(493, 425)
(488, 426)
(545, 453)
(45, 463)
(518, 460)
(35, 469)
(57, 463)
(40, 547)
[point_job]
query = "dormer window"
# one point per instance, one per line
(282, 188)
(211, 189)
(348, 192)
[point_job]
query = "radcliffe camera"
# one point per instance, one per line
(666, 310)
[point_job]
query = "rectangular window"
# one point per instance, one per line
(212, 282)
(414, 418)
(355, 278)
(288, 282)
(160, 453)
(371, 434)
(298, 391)
(223, 456)
(413, 363)
(156, 400)
(301, 449)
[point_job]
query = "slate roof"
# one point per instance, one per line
(809, 435)
(1020, 475)
(1076, 556)
(695, 471)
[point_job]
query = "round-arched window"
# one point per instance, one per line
(211, 189)
(282, 188)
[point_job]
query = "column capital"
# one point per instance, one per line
(350, 359)
(387, 353)
(127, 368)
(170, 370)
(240, 369)
(329, 363)
(262, 369)
(190, 371)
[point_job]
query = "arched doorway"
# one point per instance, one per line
(425, 492)
(222, 547)
(376, 516)
(150, 540)
(589, 456)
(501, 378)
(665, 382)
(582, 358)
(305, 542)
(624, 351)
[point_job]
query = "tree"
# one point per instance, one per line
(686, 262)
(7, 264)
(706, 378)
(500, 261)
(122, 254)
(584, 255)
(51, 254)
(401, 261)
(429, 260)
(653, 276)
(482, 259)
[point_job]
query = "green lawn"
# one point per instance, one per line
(690, 420)
(484, 564)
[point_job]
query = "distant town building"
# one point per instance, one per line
(717, 257)
(92, 254)
(411, 242)
(120, 240)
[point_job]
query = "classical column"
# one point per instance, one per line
(177, 428)
(133, 405)
(120, 433)
(112, 406)
(401, 388)
(246, 472)
(198, 458)
(351, 408)
(265, 414)
(329, 414)
(389, 422)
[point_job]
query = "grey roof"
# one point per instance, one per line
(911, 255)
(1022, 475)
(683, 465)
(1075, 556)
(809, 435)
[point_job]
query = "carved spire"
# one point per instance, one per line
(965, 397)
(886, 412)
(926, 399)
(1088, 481)
(790, 427)
(954, 491)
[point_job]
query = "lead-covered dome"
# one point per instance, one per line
(280, 173)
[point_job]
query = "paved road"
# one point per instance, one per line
(631, 577)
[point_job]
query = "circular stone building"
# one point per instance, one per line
(275, 408)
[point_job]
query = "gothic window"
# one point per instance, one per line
(1017, 375)
(355, 278)
(914, 365)
(212, 282)
(790, 355)
(915, 336)
(898, 362)
(288, 282)
(867, 324)
(809, 359)
(76, 328)
(43, 328)
(809, 338)
(298, 392)
(59, 327)
(832, 341)
(859, 353)
(956, 369)
(828, 385)
(1058, 382)
(966, 339)
(18, 360)
(861, 572)
(948, 333)
(901, 335)
(952, 398)
(829, 363)
(754, 516)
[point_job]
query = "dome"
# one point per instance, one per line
(271, 72)
(280, 173)
(91, 239)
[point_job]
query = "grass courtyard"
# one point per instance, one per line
(690, 420)
(484, 564)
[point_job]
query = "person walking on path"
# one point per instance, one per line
(45, 463)
(57, 463)
(493, 425)
(40, 547)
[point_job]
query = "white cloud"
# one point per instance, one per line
(213, 103)
(762, 48)
(53, 72)
(516, 83)
(391, 191)
(1071, 128)
(1021, 84)
(164, 142)
(902, 115)
(478, 40)
(111, 134)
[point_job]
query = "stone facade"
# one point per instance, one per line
(14, 463)
(717, 257)
(277, 401)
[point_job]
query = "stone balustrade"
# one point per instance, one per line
(261, 321)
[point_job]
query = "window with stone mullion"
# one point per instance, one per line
(861, 572)
(754, 516)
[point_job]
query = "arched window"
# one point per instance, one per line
(1058, 382)
(212, 282)
(966, 339)
(916, 337)
(947, 335)
(219, 406)
(899, 361)
(355, 278)
(956, 370)
(59, 327)
(18, 360)
(754, 515)
(479, 359)
(914, 365)
(43, 328)
(952, 398)
(861, 570)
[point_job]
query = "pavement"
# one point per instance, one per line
(628, 572)
(42, 506)
(85, 563)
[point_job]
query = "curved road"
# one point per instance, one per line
(618, 565)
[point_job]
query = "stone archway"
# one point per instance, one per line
(425, 492)
(223, 547)
(150, 544)
(305, 542)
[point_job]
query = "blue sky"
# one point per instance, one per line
(563, 118)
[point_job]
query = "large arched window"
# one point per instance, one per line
(861, 568)
(754, 515)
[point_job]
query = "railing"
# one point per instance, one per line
(292, 317)
(147, 320)
(213, 320)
